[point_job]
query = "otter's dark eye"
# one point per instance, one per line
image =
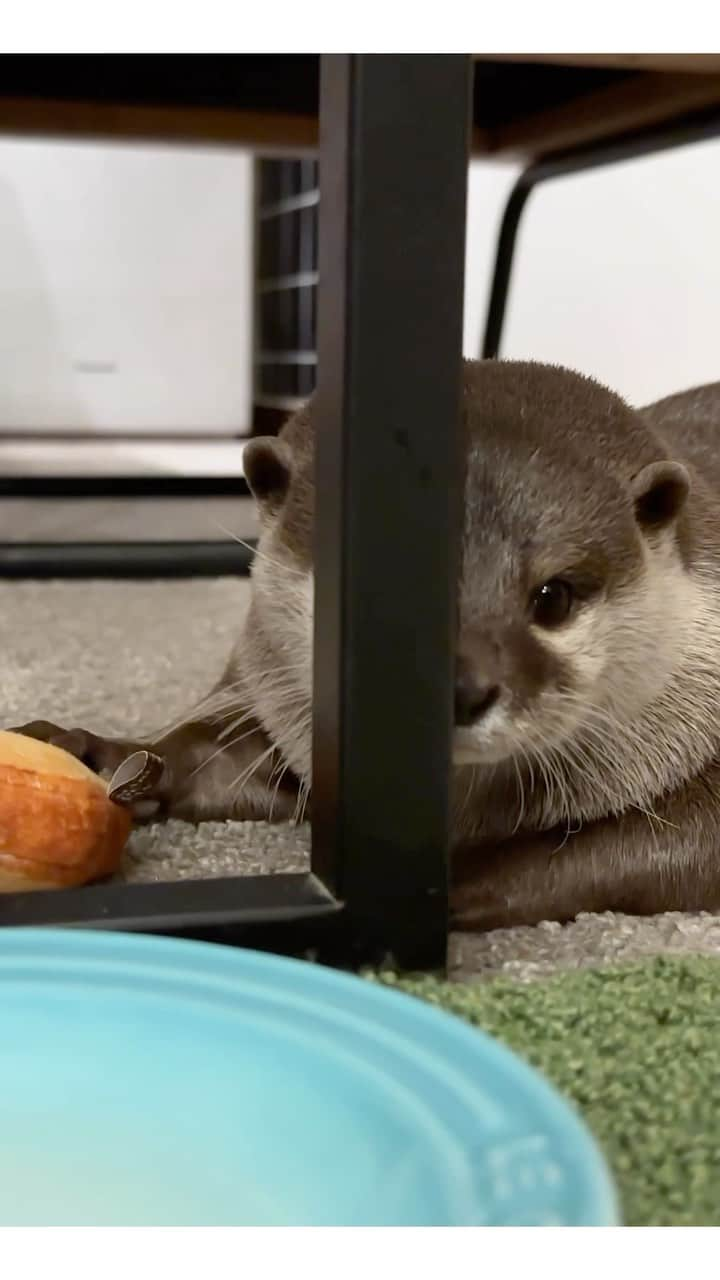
(552, 603)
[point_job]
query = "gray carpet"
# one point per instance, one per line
(127, 657)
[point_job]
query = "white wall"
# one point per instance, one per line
(126, 281)
(617, 272)
(125, 287)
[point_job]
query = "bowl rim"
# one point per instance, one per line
(339, 996)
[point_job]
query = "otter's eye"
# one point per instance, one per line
(552, 603)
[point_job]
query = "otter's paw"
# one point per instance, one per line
(102, 755)
(135, 775)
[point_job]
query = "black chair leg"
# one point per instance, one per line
(700, 127)
(502, 270)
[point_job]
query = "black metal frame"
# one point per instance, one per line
(699, 127)
(389, 473)
(152, 559)
(389, 467)
(123, 560)
(135, 486)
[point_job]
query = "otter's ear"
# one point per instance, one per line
(266, 463)
(659, 492)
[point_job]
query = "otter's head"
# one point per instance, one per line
(575, 601)
(573, 571)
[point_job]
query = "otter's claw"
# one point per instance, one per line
(135, 783)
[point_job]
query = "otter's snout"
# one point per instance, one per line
(473, 696)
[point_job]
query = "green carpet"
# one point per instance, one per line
(638, 1050)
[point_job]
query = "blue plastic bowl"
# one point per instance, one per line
(148, 1081)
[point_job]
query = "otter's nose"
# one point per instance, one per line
(473, 697)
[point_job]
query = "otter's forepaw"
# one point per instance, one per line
(135, 775)
(102, 755)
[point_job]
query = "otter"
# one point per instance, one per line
(586, 754)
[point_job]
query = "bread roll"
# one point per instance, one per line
(57, 826)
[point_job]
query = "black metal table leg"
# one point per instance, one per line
(389, 476)
(699, 127)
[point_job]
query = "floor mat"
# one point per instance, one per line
(636, 1049)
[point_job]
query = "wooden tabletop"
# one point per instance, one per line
(693, 62)
(525, 105)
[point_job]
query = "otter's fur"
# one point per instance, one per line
(591, 782)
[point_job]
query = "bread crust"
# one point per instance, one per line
(57, 826)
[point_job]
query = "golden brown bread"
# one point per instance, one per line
(57, 826)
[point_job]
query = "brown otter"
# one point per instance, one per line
(587, 748)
